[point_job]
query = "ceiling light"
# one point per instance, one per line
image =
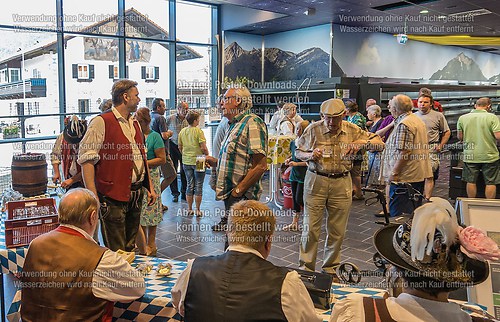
(424, 11)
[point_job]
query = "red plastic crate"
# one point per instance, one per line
(28, 219)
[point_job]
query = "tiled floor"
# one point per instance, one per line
(182, 237)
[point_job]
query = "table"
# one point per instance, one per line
(156, 304)
(11, 262)
(278, 152)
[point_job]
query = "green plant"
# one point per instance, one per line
(239, 80)
(11, 132)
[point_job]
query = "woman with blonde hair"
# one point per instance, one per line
(287, 123)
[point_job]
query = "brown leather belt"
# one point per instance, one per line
(330, 175)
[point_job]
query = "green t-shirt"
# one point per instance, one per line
(190, 138)
(478, 128)
(153, 142)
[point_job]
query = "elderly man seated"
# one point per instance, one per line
(431, 256)
(241, 285)
(67, 276)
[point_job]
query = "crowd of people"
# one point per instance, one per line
(122, 154)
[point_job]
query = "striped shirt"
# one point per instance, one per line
(247, 135)
(317, 135)
(175, 124)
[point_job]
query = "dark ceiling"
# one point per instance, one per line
(387, 13)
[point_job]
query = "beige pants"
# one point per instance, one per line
(334, 195)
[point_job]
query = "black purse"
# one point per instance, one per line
(319, 286)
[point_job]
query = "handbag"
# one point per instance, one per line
(318, 285)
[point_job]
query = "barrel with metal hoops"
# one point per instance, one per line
(29, 174)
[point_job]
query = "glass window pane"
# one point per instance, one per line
(188, 29)
(28, 13)
(147, 19)
(194, 76)
(96, 16)
(147, 63)
(29, 83)
(90, 72)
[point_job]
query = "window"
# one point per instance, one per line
(3, 76)
(83, 106)
(94, 40)
(113, 72)
(14, 75)
(150, 73)
(37, 73)
(83, 72)
(149, 102)
(33, 108)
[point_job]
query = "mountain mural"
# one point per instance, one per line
(462, 68)
(243, 63)
(495, 79)
(279, 65)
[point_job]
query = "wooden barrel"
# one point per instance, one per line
(29, 174)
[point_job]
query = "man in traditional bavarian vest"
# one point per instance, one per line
(241, 285)
(406, 157)
(114, 167)
(67, 276)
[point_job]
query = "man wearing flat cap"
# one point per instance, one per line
(328, 147)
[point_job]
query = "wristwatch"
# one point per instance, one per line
(237, 190)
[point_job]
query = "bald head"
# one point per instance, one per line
(484, 103)
(76, 206)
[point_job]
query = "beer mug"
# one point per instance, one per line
(327, 154)
(200, 163)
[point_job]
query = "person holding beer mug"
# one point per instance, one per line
(325, 146)
(193, 147)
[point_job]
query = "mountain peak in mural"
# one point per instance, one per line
(495, 79)
(462, 68)
(279, 65)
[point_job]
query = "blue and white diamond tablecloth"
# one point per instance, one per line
(11, 259)
(156, 304)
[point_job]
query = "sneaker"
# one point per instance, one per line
(175, 198)
(219, 227)
(380, 214)
(164, 208)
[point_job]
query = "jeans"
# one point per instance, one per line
(120, 221)
(176, 157)
(400, 201)
(194, 180)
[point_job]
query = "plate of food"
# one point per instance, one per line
(164, 269)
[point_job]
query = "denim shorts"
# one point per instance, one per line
(194, 180)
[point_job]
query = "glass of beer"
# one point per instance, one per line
(327, 154)
(200, 163)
